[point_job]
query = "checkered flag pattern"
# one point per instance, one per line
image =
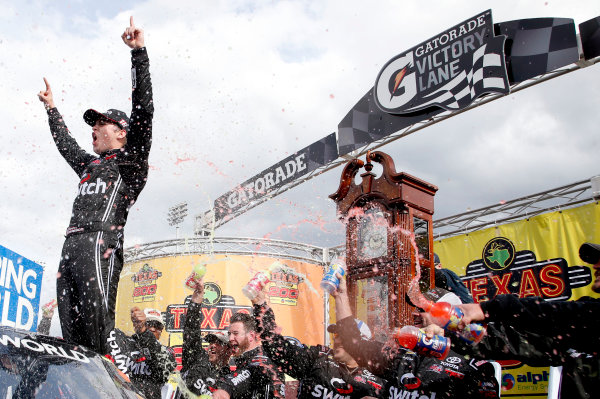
(536, 46)
(487, 74)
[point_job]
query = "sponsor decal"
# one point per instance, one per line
(436, 368)
(504, 270)
(449, 70)
(124, 356)
(360, 379)
(454, 374)
(341, 386)
(283, 288)
(145, 284)
(319, 391)
(86, 188)
(240, 377)
(399, 393)
(20, 286)
(450, 365)
(44, 348)
(453, 360)
(508, 382)
(410, 381)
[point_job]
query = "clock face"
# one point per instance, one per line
(372, 237)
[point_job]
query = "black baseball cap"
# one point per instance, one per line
(590, 253)
(117, 117)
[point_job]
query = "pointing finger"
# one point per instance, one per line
(131, 22)
(47, 84)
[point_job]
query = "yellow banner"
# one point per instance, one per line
(158, 283)
(538, 256)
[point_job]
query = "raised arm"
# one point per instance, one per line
(75, 156)
(134, 166)
(192, 352)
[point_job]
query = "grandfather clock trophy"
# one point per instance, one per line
(387, 218)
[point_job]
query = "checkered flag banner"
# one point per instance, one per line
(487, 74)
(450, 70)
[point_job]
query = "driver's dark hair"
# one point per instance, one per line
(246, 319)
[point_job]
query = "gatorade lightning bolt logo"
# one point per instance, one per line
(398, 79)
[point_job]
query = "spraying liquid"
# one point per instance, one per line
(414, 293)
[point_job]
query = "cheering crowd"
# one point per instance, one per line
(531, 330)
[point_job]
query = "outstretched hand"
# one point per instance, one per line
(133, 36)
(45, 96)
(472, 312)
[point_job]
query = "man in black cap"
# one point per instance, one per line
(92, 255)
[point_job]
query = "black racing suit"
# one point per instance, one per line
(92, 255)
(320, 376)
(410, 375)
(199, 374)
(143, 358)
(255, 377)
(539, 334)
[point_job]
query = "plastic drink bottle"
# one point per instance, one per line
(330, 282)
(194, 278)
(255, 285)
(449, 316)
(415, 339)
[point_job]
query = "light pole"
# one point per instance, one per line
(176, 215)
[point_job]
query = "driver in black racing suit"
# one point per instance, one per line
(92, 255)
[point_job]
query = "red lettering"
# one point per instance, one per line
(284, 292)
(529, 285)
(137, 291)
(273, 290)
(177, 312)
(547, 276)
(502, 283)
(476, 292)
(225, 319)
(293, 293)
(208, 318)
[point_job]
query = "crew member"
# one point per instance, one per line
(255, 376)
(141, 356)
(322, 372)
(409, 374)
(202, 368)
